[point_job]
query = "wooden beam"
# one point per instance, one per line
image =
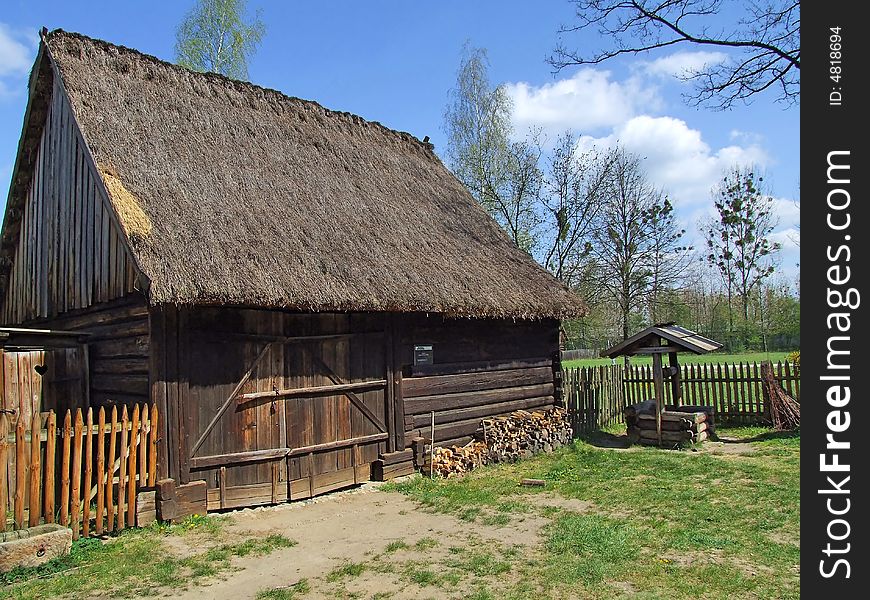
(338, 444)
(237, 458)
(313, 391)
(354, 399)
(675, 377)
(230, 398)
(659, 384)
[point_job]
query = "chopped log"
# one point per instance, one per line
(533, 483)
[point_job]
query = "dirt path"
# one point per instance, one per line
(350, 528)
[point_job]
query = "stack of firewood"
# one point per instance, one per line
(524, 433)
(679, 425)
(455, 460)
(518, 435)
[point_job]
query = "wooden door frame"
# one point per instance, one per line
(346, 389)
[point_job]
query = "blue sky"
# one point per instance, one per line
(395, 62)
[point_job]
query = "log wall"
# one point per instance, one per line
(482, 368)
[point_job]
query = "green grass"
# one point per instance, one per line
(300, 588)
(686, 358)
(346, 571)
(674, 524)
(395, 546)
(134, 563)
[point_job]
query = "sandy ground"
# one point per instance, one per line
(349, 527)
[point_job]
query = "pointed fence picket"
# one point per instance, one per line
(596, 396)
(82, 474)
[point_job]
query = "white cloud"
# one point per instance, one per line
(17, 49)
(680, 65)
(676, 157)
(588, 101)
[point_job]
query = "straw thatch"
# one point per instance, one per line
(242, 195)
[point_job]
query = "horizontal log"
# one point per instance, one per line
(127, 347)
(392, 458)
(123, 383)
(677, 417)
(313, 391)
(480, 412)
(669, 436)
(237, 458)
(338, 444)
(127, 309)
(478, 366)
(121, 366)
(426, 404)
(470, 382)
(650, 425)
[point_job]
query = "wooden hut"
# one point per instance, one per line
(294, 287)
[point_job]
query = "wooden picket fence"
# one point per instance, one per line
(81, 473)
(596, 396)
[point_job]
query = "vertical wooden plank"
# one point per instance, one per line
(50, 454)
(110, 468)
(222, 482)
(20, 473)
(398, 398)
(659, 391)
(35, 471)
(274, 467)
(675, 379)
(390, 391)
(122, 467)
(131, 468)
(89, 468)
(101, 470)
(152, 462)
(144, 429)
(76, 474)
(4, 457)
(64, 468)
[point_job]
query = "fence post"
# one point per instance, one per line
(20, 473)
(35, 470)
(50, 470)
(4, 483)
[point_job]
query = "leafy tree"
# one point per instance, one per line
(762, 42)
(738, 241)
(668, 258)
(571, 198)
(624, 245)
(216, 37)
(502, 175)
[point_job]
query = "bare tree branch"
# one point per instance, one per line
(763, 44)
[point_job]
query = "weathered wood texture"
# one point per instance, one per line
(71, 252)
(482, 368)
(32, 470)
(116, 357)
(216, 371)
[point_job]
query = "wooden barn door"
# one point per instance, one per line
(275, 417)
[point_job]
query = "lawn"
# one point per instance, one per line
(687, 358)
(137, 563)
(646, 523)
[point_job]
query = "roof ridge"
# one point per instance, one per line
(224, 80)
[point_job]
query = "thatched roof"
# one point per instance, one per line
(232, 193)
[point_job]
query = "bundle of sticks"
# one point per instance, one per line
(679, 425)
(508, 438)
(785, 412)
